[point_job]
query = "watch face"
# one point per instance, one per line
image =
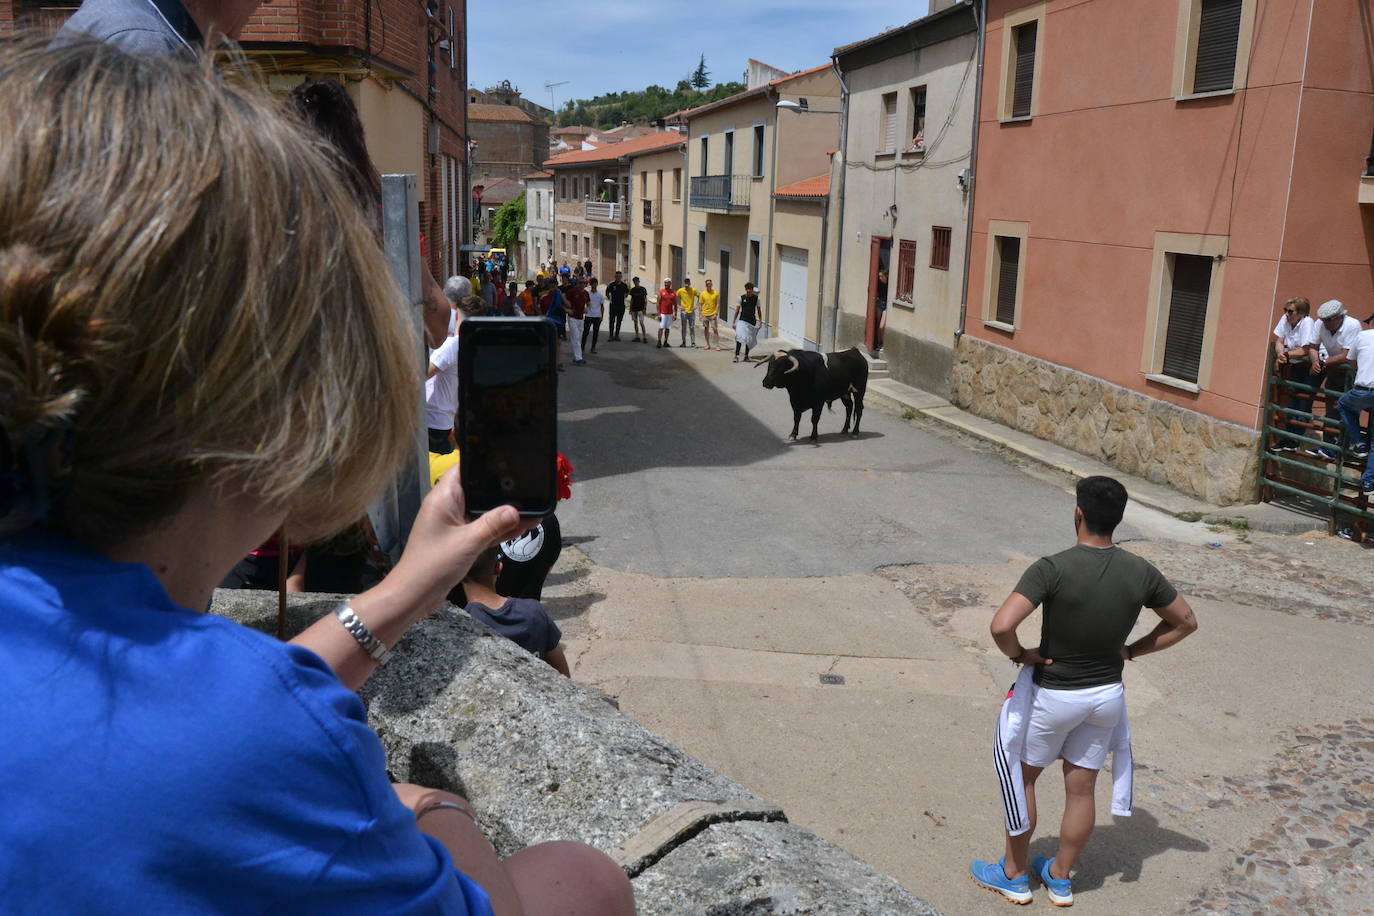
(524, 548)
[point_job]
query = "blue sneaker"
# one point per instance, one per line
(1325, 454)
(1061, 890)
(992, 876)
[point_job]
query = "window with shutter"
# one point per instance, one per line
(1192, 279)
(888, 140)
(1023, 80)
(758, 150)
(1008, 272)
(940, 237)
(906, 271)
(1218, 40)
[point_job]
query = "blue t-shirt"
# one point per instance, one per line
(159, 760)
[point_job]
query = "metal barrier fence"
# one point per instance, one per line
(1292, 419)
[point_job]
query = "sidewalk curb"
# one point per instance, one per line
(1259, 516)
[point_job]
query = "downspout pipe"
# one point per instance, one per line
(839, 206)
(767, 279)
(980, 12)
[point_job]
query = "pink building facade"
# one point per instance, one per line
(1153, 180)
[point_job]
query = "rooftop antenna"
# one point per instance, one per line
(550, 87)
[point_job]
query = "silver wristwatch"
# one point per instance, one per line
(359, 631)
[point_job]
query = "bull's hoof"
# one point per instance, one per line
(791, 438)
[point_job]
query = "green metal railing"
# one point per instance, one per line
(1292, 473)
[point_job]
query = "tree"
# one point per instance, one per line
(507, 223)
(701, 77)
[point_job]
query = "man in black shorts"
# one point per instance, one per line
(616, 291)
(1068, 702)
(639, 301)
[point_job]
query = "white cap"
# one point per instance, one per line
(1331, 308)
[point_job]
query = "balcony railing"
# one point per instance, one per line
(605, 211)
(721, 193)
(653, 214)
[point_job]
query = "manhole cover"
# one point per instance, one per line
(837, 679)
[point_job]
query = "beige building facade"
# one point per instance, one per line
(740, 152)
(656, 214)
(904, 191)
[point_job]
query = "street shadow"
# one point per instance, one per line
(635, 408)
(1121, 848)
(824, 438)
(571, 606)
(566, 576)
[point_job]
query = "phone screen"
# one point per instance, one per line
(507, 414)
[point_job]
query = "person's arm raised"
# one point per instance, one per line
(442, 545)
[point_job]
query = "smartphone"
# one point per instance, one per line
(507, 414)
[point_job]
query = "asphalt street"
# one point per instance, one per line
(682, 470)
(812, 621)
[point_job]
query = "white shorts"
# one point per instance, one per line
(1076, 725)
(665, 322)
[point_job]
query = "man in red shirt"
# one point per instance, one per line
(575, 299)
(667, 304)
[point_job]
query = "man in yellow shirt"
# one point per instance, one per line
(686, 308)
(710, 305)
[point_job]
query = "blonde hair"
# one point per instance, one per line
(1302, 305)
(189, 295)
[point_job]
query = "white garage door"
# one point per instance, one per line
(792, 287)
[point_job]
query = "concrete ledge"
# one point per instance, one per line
(542, 758)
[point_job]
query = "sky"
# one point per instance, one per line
(610, 45)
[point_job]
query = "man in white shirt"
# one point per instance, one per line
(596, 307)
(1336, 331)
(1295, 330)
(1358, 399)
(441, 395)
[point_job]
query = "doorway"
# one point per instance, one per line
(880, 254)
(793, 271)
(608, 250)
(723, 285)
(679, 271)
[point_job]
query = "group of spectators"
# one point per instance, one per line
(573, 299)
(1310, 348)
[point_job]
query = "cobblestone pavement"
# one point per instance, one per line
(1316, 856)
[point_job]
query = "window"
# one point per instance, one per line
(563, 243)
(729, 153)
(563, 188)
(916, 135)
(538, 205)
(701, 250)
(586, 246)
(1007, 252)
(705, 153)
(758, 150)
(643, 186)
(643, 252)
(1022, 40)
(659, 195)
(452, 40)
(887, 128)
(677, 184)
(940, 237)
(1191, 282)
(1213, 42)
(906, 271)
(754, 254)
(1023, 79)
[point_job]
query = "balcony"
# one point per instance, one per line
(603, 211)
(721, 193)
(653, 214)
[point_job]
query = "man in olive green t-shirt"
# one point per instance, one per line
(1092, 594)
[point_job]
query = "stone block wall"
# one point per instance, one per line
(1196, 454)
(543, 758)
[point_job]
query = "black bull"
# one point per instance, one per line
(814, 381)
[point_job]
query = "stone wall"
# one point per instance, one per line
(542, 758)
(1214, 461)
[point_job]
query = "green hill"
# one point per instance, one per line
(643, 106)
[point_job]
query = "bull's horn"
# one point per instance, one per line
(762, 362)
(796, 364)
